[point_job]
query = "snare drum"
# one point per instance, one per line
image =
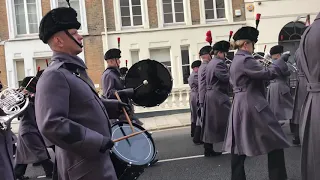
(131, 156)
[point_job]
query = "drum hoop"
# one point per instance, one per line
(145, 60)
(148, 136)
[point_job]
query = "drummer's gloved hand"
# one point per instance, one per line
(128, 92)
(106, 144)
(285, 57)
(114, 103)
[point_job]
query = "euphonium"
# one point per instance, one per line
(13, 102)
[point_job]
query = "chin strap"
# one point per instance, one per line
(67, 32)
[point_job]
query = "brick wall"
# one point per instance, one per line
(195, 11)
(3, 75)
(46, 7)
(110, 15)
(153, 13)
(93, 45)
(238, 4)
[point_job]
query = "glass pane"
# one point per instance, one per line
(137, 20)
(136, 10)
(168, 18)
(32, 8)
(125, 11)
(209, 14)
(21, 29)
(178, 0)
(135, 2)
(166, 1)
(208, 4)
(178, 7)
(126, 21)
(33, 28)
(179, 17)
(186, 74)
(32, 18)
(124, 2)
(19, 9)
(18, 2)
(221, 13)
(185, 56)
(167, 8)
(31, 1)
(220, 3)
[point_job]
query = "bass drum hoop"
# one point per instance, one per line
(136, 100)
(148, 136)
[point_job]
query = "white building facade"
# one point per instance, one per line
(175, 41)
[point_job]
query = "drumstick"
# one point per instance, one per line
(129, 136)
(125, 112)
(123, 133)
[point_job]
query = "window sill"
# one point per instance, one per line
(216, 20)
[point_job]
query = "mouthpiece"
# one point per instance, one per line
(145, 82)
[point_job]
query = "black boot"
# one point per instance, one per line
(193, 127)
(47, 166)
(209, 152)
(197, 135)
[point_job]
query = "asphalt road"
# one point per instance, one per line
(177, 161)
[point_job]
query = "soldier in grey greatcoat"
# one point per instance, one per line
(111, 82)
(30, 145)
(279, 95)
(69, 112)
(310, 125)
(300, 96)
(217, 102)
(253, 129)
(205, 56)
(194, 95)
(6, 154)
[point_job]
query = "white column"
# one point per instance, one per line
(202, 12)
(160, 13)
(145, 14)
(117, 14)
(187, 12)
(229, 10)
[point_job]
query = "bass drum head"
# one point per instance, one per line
(138, 150)
(159, 83)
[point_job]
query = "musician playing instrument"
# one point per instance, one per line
(30, 144)
(194, 95)
(69, 112)
(205, 56)
(253, 129)
(217, 102)
(111, 82)
(309, 58)
(279, 96)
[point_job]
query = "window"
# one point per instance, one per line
(173, 11)
(134, 56)
(76, 5)
(214, 9)
(20, 73)
(162, 56)
(131, 12)
(26, 16)
(185, 64)
(41, 63)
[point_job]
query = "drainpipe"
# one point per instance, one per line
(105, 27)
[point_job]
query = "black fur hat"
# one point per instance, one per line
(112, 54)
(247, 32)
(31, 87)
(58, 19)
(205, 50)
(278, 49)
(196, 63)
(222, 46)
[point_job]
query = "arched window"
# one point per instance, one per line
(292, 31)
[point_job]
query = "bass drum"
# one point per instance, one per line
(159, 83)
(131, 156)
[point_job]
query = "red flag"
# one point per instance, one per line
(230, 35)
(118, 42)
(258, 16)
(38, 68)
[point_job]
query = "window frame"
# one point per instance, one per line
(174, 13)
(186, 13)
(185, 47)
(12, 24)
(83, 12)
(131, 16)
(228, 12)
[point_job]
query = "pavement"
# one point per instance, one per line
(151, 122)
(180, 159)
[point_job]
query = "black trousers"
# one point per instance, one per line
(20, 169)
(276, 166)
(193, 127)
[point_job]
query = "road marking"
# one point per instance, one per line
(39, 177)
(170, 129)
(183, 158)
